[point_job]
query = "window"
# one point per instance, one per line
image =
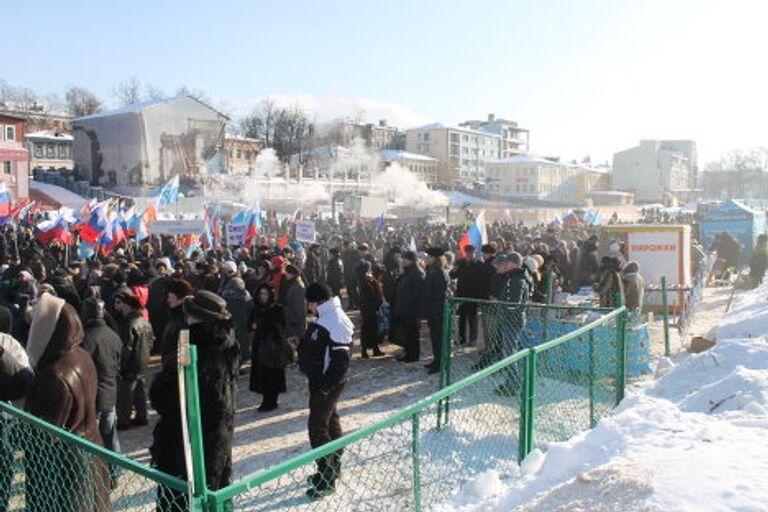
(38, 150)
(426, 137)
(239, 153)
(10, 133)
(7, 167)
(247, 154)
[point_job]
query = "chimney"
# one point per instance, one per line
(491, 118)
(382, 123)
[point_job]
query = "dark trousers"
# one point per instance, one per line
(352, 299)
(468, 314)
(436, 338)
(131, 394)
(324, 426)
(408, 329)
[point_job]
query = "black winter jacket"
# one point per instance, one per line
(137, 337)
(408, 288)
(312, 359)
(105, 347)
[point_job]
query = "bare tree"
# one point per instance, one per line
(738, 160)
(198, 94)
(128, 92)
(287, 130)
(81, 102)
(153, 92)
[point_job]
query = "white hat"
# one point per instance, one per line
(229, 266)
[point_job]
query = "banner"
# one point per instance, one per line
(236, 234)
(305, 231)
(177, 227)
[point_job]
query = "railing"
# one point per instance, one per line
(44, 467)
(414, 459)
(490, 419)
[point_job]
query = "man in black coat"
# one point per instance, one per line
(156, 303)
(335, 272)
(212, 332)
(433, 296)
(314, 270)
(104, 346)
(406, 307)
(470, 276)
(350, 258)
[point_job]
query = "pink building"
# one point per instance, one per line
(14, 158)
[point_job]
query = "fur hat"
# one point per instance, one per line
(207, 307)
(126, 297)
(93, 309)
(435, 252)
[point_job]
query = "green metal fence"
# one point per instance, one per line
(43, 467)
(491, 418)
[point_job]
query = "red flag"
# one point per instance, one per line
(283, 241)
(463, 242)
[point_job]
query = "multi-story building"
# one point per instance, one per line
(425, 167)
(344, 132)
(514, 139)
(689, 151)
(655, 170)
(39, 118)
(241, 153)
(14, 158)
(541, 179)
(49, 149)
(460, 152)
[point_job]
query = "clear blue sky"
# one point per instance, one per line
(587, 77)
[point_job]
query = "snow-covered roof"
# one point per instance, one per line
(232, 136)
(58, 194)
(396, 154)
(138, 107)
(522, 159)
(49, 135)
(441, 126)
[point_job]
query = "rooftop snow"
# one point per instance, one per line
(49, 135)
(138, 107)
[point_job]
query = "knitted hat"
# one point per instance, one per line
(207, 307)
(45, 315)
(229, 266)
(318, 293)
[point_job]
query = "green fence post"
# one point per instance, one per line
(548, 285)
(665, 315)
(445, 359)
(592, 419)
(195, 428)
(415, 455)
(621, 355)
(527, 404)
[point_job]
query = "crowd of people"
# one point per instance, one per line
(78, 335)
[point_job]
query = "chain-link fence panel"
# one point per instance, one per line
(417, 458)
(479, 332)
(45, 468)
(577, 382)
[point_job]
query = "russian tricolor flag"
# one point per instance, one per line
(476, 235)
(5, 200)
(54, 230)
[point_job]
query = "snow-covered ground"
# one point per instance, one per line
(696, 438)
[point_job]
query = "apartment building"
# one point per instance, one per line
(514, 139)
(540, 179)
(656, 170)
(461, 152)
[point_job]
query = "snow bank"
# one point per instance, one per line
(695, 439)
